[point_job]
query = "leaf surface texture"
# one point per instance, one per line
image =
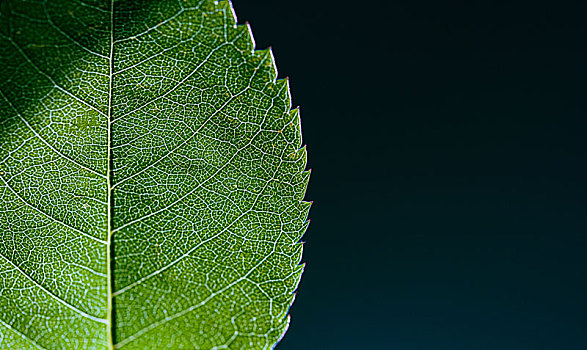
(151, 178)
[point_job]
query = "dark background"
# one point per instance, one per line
(447, 142)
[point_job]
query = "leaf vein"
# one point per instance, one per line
(59, 87)
(232, 98)
(54, 296)
(191, 308)
(48, 215)
(153, 274)
(65, 35)
(179, 83)
(24, 336)
(45, 141)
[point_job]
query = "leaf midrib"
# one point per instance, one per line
(110, 206)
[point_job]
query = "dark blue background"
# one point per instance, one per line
(447, 141)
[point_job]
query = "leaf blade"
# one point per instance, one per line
(207, 174)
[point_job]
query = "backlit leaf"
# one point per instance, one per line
(151, 178)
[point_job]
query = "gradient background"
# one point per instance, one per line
(448, 146)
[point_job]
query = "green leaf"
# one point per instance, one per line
(151, 178)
